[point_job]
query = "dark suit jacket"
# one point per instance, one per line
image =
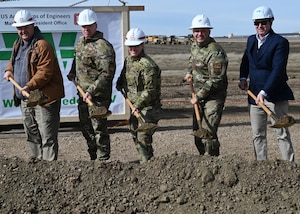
(266, 67)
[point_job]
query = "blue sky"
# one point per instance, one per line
(171, 17)
(168, 17)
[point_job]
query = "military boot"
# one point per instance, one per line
(212, 148)
(92, 149)
(103, 152)
(200, 146)
(145, 152)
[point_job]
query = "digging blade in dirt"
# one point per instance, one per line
(201, 132)
(35, 97)
(283, 122)
(144, 126)
(97, 112)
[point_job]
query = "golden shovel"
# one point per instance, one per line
(97, 111)
(283, 122)
(144, 126)
(35, 97)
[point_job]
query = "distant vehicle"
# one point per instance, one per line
(189, 39)
(153, 40)
(172, 40)
(181, 40)
(162, 40)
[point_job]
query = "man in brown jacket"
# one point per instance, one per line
(34, 67)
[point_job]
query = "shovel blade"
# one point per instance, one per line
(146, 127)
(100, 112)
(36, 97)
(32, 103)
(202, 133)
(284, 122)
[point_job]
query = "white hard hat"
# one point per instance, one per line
(201, 21)
(135, 36)
(87, 17)
(23, 18)
(262, 12)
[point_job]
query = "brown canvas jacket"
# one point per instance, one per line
(43, 70)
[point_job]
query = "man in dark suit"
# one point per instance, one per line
(264, 63)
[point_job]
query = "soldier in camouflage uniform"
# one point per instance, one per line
(140, 79)
(207, 70)
(94, 67)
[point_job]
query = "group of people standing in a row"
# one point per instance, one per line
(34, 66)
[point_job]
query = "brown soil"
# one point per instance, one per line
(177, 179)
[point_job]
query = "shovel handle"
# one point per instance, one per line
(25, 93)
(89, 102)
(196, 104)
(136, 114)
(264, 107)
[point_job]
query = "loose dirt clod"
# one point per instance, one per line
(175, 183)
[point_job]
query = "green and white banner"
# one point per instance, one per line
(60, 29)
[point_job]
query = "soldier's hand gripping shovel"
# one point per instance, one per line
(144, 126)
(282, 122)
(35, 97)
(201, 132)
(97, 111)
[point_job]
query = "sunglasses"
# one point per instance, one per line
(256, 23)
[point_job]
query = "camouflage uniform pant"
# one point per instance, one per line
(211, 113)
(143, 139)
(95, 132)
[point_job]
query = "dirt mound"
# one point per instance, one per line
(176, 180)
(176, 183)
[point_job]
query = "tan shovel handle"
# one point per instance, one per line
(196, 104)
(89, 102)
(136, 114)
(25, 93)
(265, 108)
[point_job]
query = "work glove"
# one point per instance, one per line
(119, 86)
(243, 85)
(71, 76)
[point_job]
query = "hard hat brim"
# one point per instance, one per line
(22, 24)
(85, 23)
(133, 43)
(206, 27)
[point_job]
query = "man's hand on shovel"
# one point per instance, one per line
(283, 122)
(97, 111)
(201, 132)
(144, 126)
(35, 97)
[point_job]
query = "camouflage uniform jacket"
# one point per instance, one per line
(141, 79)
(95, 66)
(208, 64)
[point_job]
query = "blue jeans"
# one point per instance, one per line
(41, 124)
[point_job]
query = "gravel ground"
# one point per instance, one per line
(176, 180)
